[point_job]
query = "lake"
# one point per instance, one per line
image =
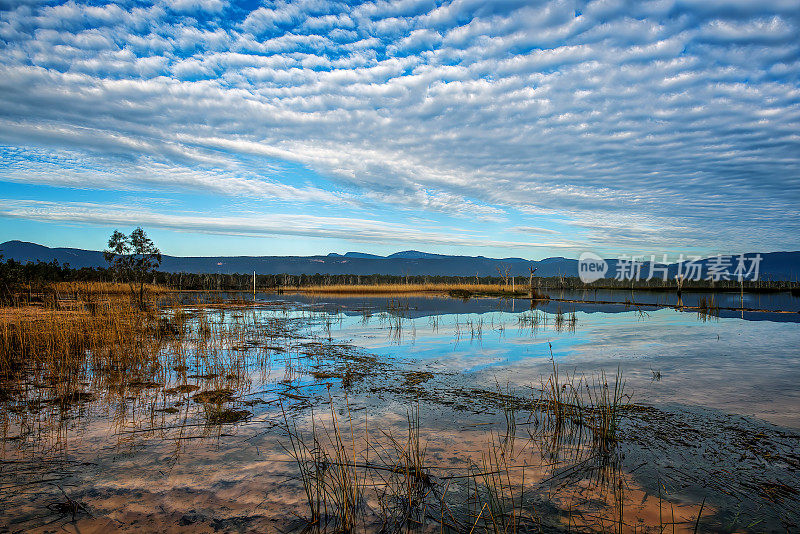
(404, 409)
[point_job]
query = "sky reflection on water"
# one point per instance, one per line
(748, 367)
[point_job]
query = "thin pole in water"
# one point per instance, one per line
(254, 285)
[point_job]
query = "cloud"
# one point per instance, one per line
(224, 177)
(254, 224)
(533, 230)
(191, 6)
(631, 124)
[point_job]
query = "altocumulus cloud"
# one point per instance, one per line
(646, 124)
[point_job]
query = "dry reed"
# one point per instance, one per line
(394, 289)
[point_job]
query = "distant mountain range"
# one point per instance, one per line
(774, 265)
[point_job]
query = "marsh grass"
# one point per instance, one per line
(329, 472)
(606, 401)
(500, 486)
(218, 414)
(508, 405)
(342, 471)
(573, 409)
(533, 319)
(475, 327)
(114, 336)
(536, 320)
(564, 321)
(407, 486)
(107, 352)
(337, 468)
(457, 290)
(86, 290)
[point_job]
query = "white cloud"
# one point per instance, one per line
(190, 6)
(254, 224)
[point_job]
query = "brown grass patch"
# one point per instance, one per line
(393, 289)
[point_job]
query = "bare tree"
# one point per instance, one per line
(504, 274)
(530, 282)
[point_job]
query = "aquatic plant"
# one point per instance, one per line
(577, 404)
(328, 471)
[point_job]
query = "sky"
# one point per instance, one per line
(503, 128)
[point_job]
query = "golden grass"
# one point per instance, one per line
(412, 288)
(112, 334)
(112, 338)
(100, 288)
(56, 359)
(29, 313)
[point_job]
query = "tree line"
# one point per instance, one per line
(36, 275)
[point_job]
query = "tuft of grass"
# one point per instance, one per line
(707, 308)
(328, 472)
(570, 406)
(407, 483)
(415, 378)
(216, 396)
(217, 414)
(605, 405)
(503, 496)
(336, 469)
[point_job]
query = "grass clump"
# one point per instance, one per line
(328, 472)
(214, 396)
(569, 407)
(501, 490)
(217, 414)
(415, 378)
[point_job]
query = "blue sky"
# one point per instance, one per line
(504, 128)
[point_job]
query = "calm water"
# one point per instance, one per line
(748, 366)
(760, 301)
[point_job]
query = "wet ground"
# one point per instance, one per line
(708, 436)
